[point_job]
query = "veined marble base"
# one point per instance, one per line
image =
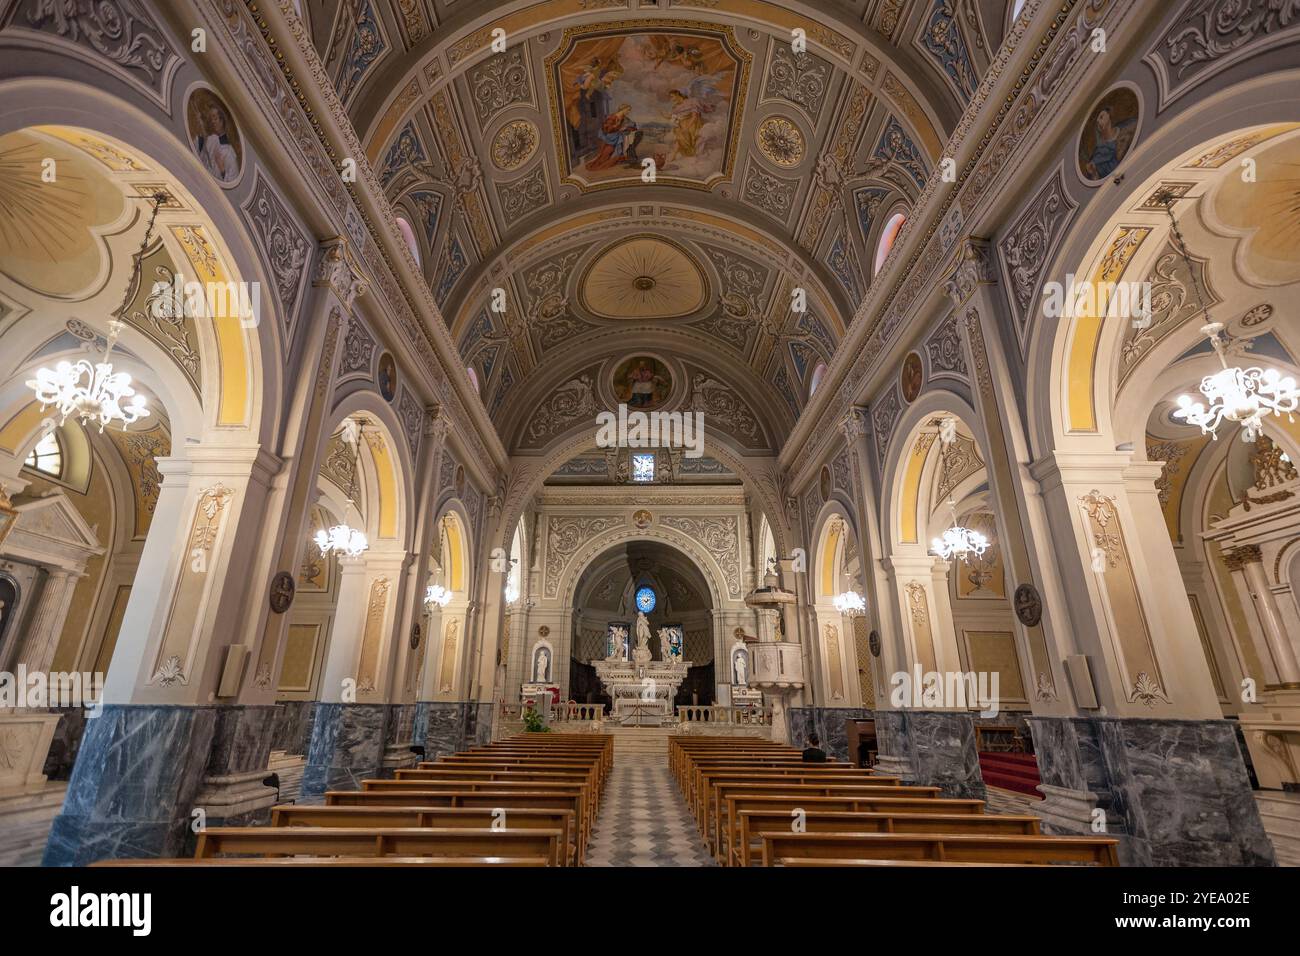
(937, 748)
(828, 724)
(139, 771)
(1175, 792)
(347, 746)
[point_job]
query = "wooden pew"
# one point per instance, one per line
(479, 799)
(755, 823)
(949, 847)
(711, 830)
(379, 842)
(330, 861)
(735, 803)
(798, 861)
(586, 817)
(355, 817)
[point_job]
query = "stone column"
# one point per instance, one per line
(160, 715)
(1248, 560)
(1157, 714)
(46, 621)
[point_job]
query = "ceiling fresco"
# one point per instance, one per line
(520, 169)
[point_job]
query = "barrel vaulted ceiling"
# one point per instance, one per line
(775, 170)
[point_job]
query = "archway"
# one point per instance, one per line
(654, 578)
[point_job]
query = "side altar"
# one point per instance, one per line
(641, 688)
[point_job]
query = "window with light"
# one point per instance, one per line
(47, 456)
(645, 600)
(643, 467)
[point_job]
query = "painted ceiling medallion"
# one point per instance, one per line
(644, 278)
(514, 145)
(780, 140)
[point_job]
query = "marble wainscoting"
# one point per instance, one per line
(932, 748)
(347, 746)
(66, 742)
(291, 731)
(828, 723)
(139, 771)
(234, 791)
(1175, 792)
(439, 724)
(398, 738)
(448, 727)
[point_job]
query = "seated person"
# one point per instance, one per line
(812, 751)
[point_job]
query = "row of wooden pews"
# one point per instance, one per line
(530, 800)
(757, 803)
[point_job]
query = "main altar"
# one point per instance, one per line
(641, 688)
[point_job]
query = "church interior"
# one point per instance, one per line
(598, 432)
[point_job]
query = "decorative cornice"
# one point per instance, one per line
(1238, 558)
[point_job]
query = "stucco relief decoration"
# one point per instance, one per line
(498, 82)
(358, 349)
(1101, 509)
(800, 78)
(1172, 305)
(564, 536)
(883, 417)
(283, 244)
(780, 141)
(1030, 243)
(944, 349)
(514, 144)
(727, 410)
(162, 316)
(917, 604)
(120, 31)
(720, 537)
(1211, 34)
(571, 402)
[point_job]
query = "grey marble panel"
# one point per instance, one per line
(293, 723)
(1175, 792)
(241, 741)
(828, 723)
(943, 752)
(66, 742)
(347, 746)
(137, 774)
(443, 728)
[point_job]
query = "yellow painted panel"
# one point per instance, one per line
(912, 488)
(828, 560)
(208, 268)
(20, 427)
(387, 476)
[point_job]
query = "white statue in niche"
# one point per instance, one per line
(542, 669)
(641, 656)
(740, 664)
(665, 650)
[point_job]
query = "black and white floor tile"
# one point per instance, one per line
(643, 820)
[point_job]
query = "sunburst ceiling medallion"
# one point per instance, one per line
(644, 277)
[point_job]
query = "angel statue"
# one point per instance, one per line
(665, 645)
(618, 640)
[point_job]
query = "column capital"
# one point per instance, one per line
(338, 270)
(1237, 558)
(974, 268)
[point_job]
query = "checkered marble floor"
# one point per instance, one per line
(643, 820)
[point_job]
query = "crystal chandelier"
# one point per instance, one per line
(1242, 395)
(437, 594)
(850, 602)
(93, 391)
(957, 542)
(343, 539)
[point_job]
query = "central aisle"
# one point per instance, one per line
(643, 820)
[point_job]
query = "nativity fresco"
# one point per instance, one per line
(620, 99)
